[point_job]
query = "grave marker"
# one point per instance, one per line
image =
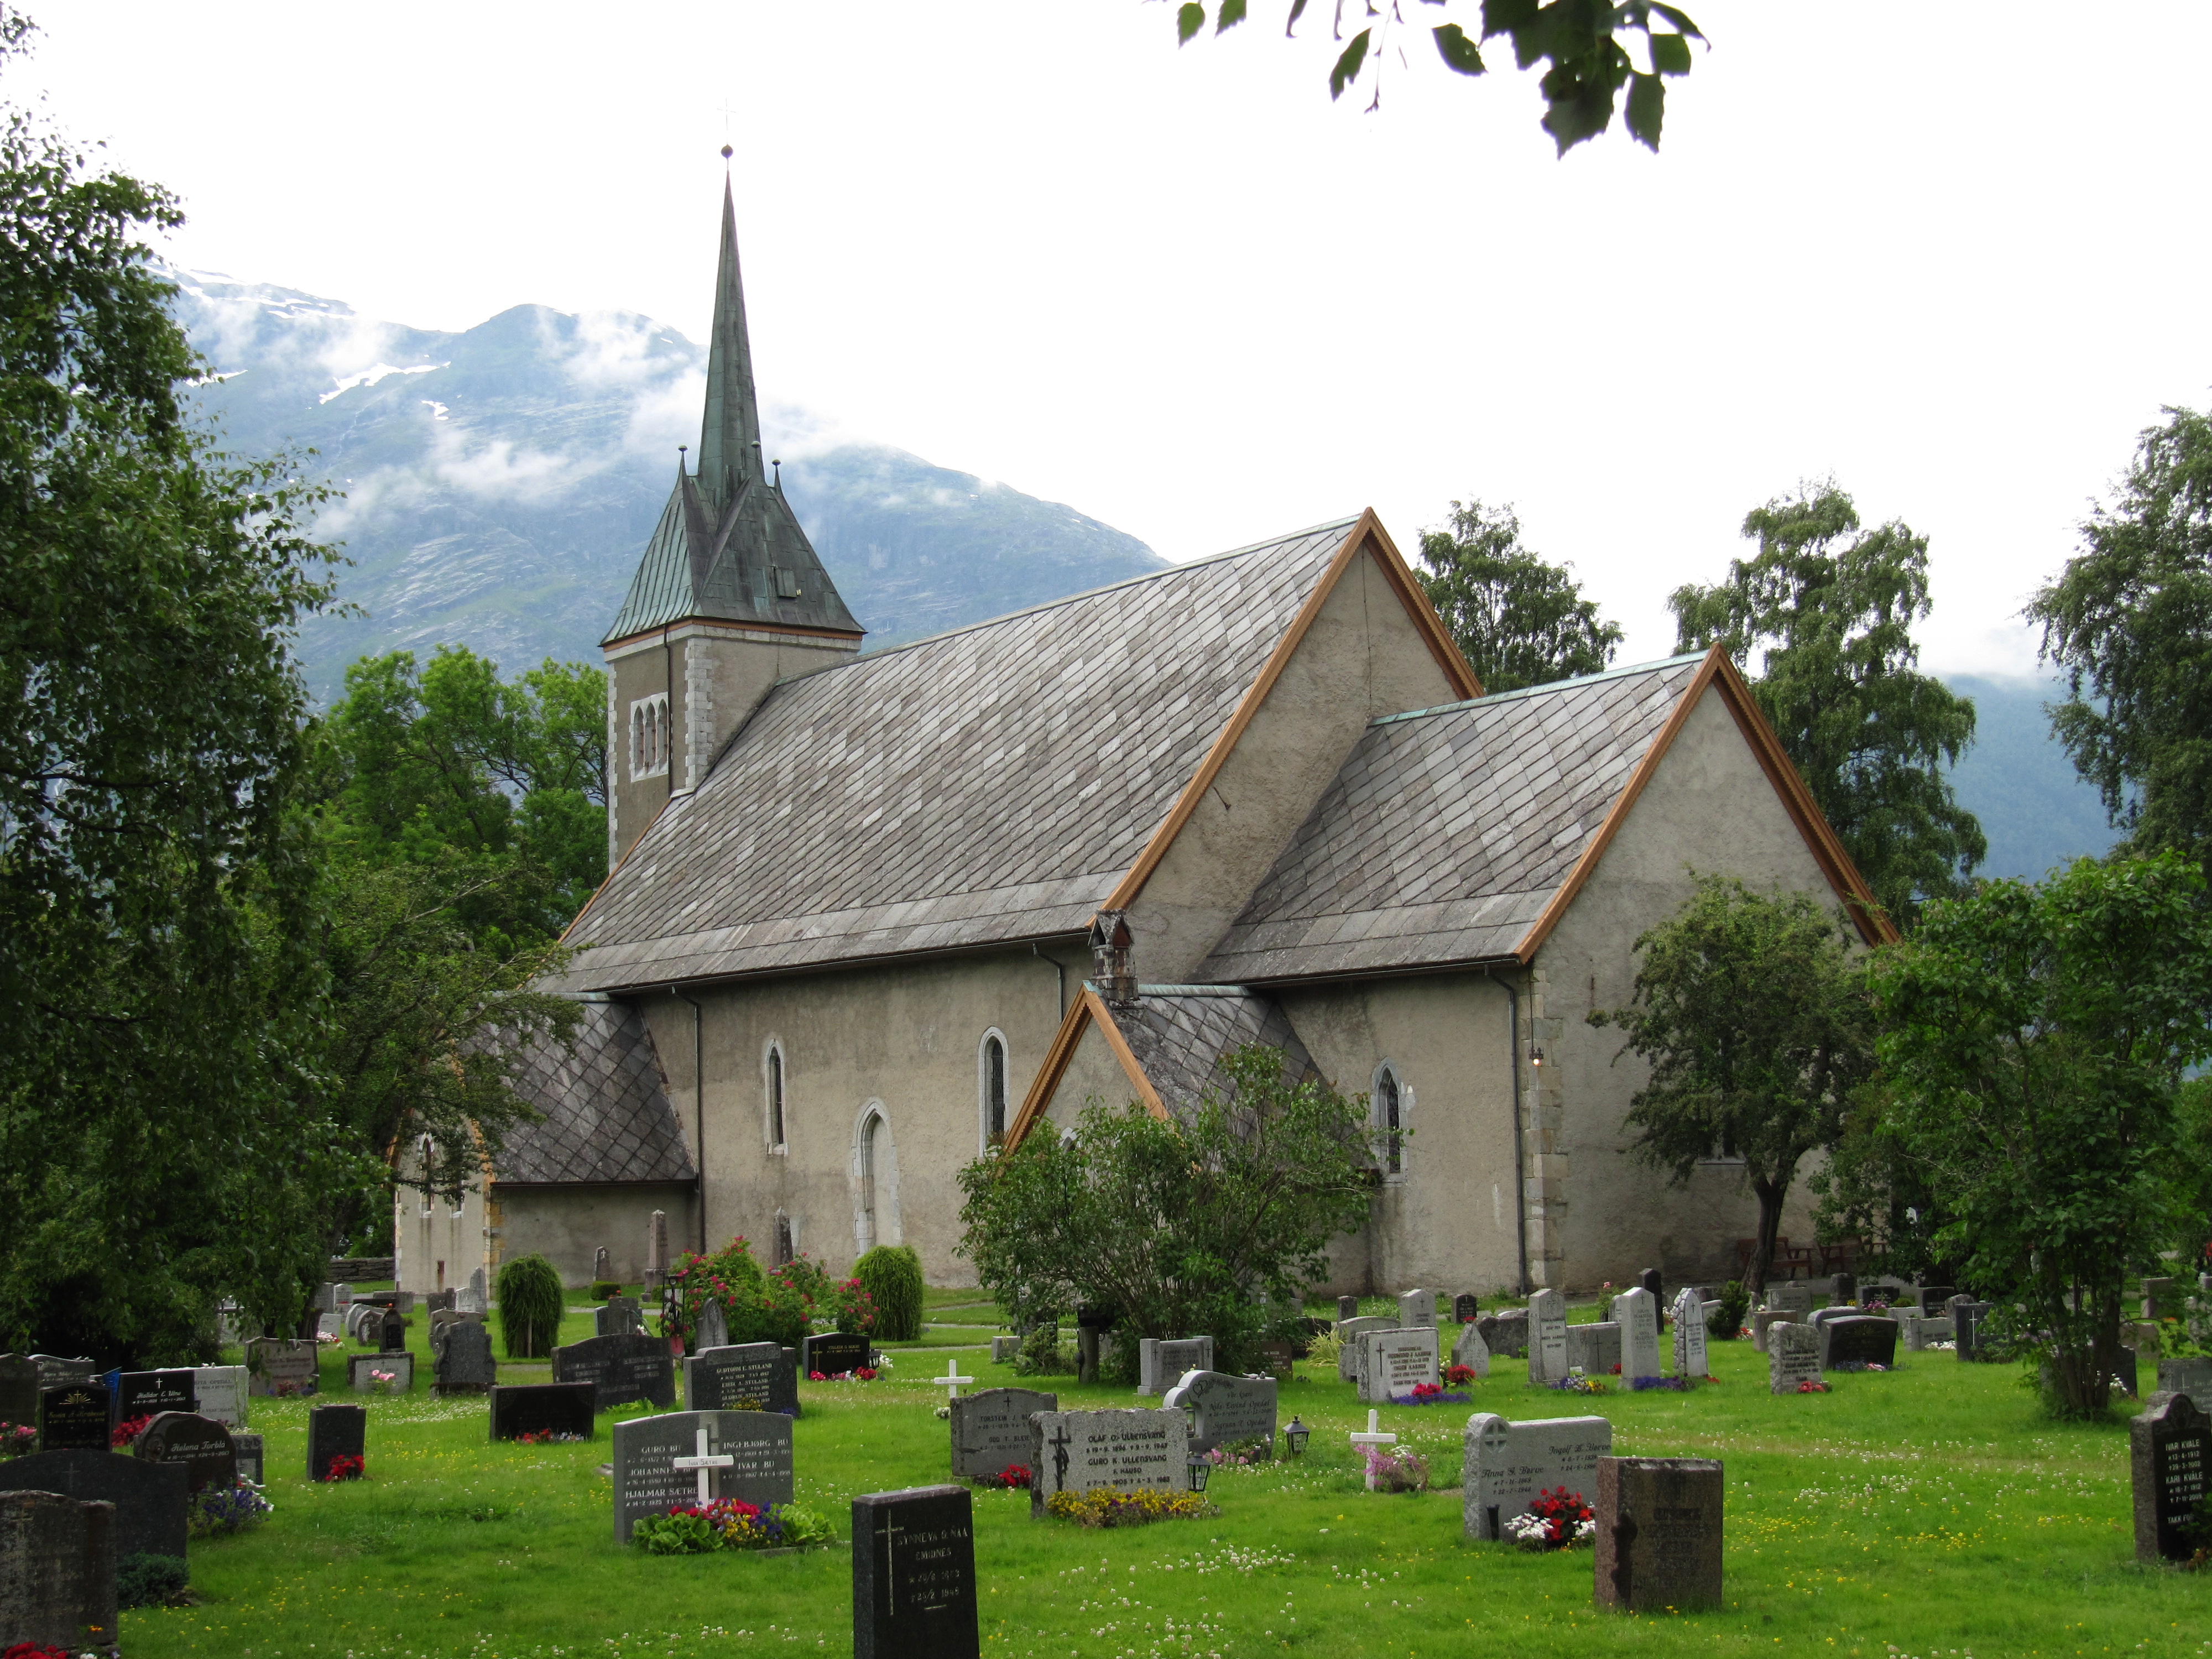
(1637, 1313)
(836, 1353)
(517, 1409)
(199, 1445)
(144, 1394)
(1159, 1362)
(57, 1571)
(1128, 1449)
(951, 1381)
(1506, 1332)
(1858, 1339)
(1226, 1410)
(1690, 1360)
(362, 1369)
(75, 1417)
(991, 1429)
(618, 1315)
(1763, 1322)
(247, 1449)
(1466, 1308)
(19, 1389)
(1844, 1291)
(335, 1432)
(280, 1367)
(1004, 1348)
(475, 1296)
(1548, 1339)
(1505, 1466)
(1596, 1348)
(150, 1498)
(755, 1377)
(621, 1369)
(1792, 1297)
(656, 1250)
(1374, 1440)
(713, 1330)
(391, 1334)
(53, 1372)
(1937, 1298)
(1417, 1308)
(1348, 1334)
(1658, 1533)
(1471, 1351)
(464, 1363)
(437, 1302)
(2191, 1376)
(914, 1575)
(1793, 1356)
(648, 1480)
(1396, 1362)
(2169, 1454)
(221, 1392)
(1347, 1307)
(603, 1266)
(1967, 1327)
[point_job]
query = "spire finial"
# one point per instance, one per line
(726, 152)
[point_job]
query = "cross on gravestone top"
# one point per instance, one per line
(1374, 1437)
(914, 1575)
(1417, 1308)
(1466, 1308)
(951, 1381)
(704, 1464)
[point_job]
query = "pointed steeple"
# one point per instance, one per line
(729, 441)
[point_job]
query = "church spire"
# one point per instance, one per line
(729, 441)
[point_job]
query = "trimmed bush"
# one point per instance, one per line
(149, 1581)
(604, 1290)
(891, 1274)
(531, 1300)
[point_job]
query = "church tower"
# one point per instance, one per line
(728, 599)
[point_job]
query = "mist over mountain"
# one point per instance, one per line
(501, 482)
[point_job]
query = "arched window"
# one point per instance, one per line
(774, 1068)
(648, 736)
(1390, 1118)
(875, 1180)
(993, 1086)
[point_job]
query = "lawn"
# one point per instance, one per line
(1928, 1511)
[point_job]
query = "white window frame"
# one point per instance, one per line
(1388, 1069)
(775, 1097)
(648, 737)
(983, 1087)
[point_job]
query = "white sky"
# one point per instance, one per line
(1953, 254)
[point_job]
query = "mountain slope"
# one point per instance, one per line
(500, 483)
(2016, 779)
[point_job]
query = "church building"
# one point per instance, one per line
(869, 912)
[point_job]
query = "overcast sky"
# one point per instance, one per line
(1953, 255)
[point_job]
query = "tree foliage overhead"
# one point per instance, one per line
(1517, 620)
(1189, 1225)
(1593, 50)
(2130, 621)
(1830, 608)
(1755, 1024)
(2036, 1040)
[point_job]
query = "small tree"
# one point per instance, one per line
(892, 1275)
(1756, 1027)
(1186, 1226)
(2036, 1039)
(1516, 620)
(530, 1303)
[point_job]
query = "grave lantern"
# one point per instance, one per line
(1200, 1467)
(1294, 1435)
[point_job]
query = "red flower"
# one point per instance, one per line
(128, 1430)
(816, 1377)
(346, 1466)
(34, 1650)
(866, 1373)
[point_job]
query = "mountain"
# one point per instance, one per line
(500, 483)
(2017, 779)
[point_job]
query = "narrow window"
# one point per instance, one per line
(648, 736)
(994, 1090)
(1387, 1119)
(775, 1097)
(783, 1241)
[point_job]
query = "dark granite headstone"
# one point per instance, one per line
(362, 1371)
(1844, 1288)
(617, 1316)
(464, 1363)
(149, 1498)
(755, 1376)
(1649, 1280)
(620, 1368)
(1466, 1307)
(57, 1571)
(1966, 1324)
(1276, 1358)
(991, 1429)
(2169, 1455)
(392, 1332)
(647, 1481)
(249, 1452)
(1658, 1533)
(144, 1394)
(1859, 1339)
(279, 1366)
(2126, 1373)
(1226, 1410)
(1934, 1297)
(75, 1417)
(19, 1389)
(836, 1352)
(440, 1302)
(541, 1408)
(1505, 1333)
(53, 1371)
(914, 1575)
(335, 1432)
(1347, 1307)
(200, 1444)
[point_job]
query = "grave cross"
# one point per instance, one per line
(703, 1463)
(952, 1380)
(1374, 1437)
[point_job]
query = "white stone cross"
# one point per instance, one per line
(952, 1380)
(1374, 1437)
(704, 1464)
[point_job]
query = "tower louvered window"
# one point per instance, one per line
(648, 736)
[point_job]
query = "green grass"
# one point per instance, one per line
(1929, 1511)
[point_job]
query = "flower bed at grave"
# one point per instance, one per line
(1014, 1477)
(730, 1523)
(348, 1465)
(34, 1650)
(552, 1438)
(1808, 1386)
(220, 1511)
(1575, 1383)
(1557, 1520)
(126, 1433)
(1673, 1384)
(1860, 1365)
(1428, 1394)
(1395, 1471)
(16, 1439)
(858, 1373)
(1458, 1376)
(1104, 1507)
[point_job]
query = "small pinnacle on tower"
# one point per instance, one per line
(726, 152)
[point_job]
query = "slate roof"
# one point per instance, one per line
(607, 1116)
(988, 785)
(1448, 830)
(1179, 1034)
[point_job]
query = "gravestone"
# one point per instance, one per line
(1505, 1465)
(1160, 1362)
(2161, 1298)
(1637, 1313)
(1844, 1291)
(836, 1353)
(618, 1315)
(341, 1298)
(1596, 1348)
(603, 1266)
(2169, 1455)
(1417, 1308)
(19, 1389)
(475, 1296)
(541, 1408)
(1004, 1348)
(362, 1370)
(357, 1318)
(1764, 1321)
(1276, 1358)
(221, 1392)
(621, 1369)
(199, 1445)
(53, 1372)
(1690, 1336)
(74, 1417)
(1226, 1410)
(437, 1302)
(1133, 1449)
(57, 1571)
(1658, 1533)
(1347, 1307)
(1086, 1353)
(647, 1481)
(1967, 1327)
(756, 1377)
(656, 1250)
(142, 1394)
(1470, 1350)
(247, 1449)
(1396, 1362)
(1466, 1308)
(335, 1432)
(2191, 1376)
(150, 1498)
(991, 1429)
(463, 1363)
(1548, 1339)
(331, 1325)
(914, 1575)
(1858, 1339)
(1937, 1298)
(392, 1332)
(1348, 1334)
(2124, 1373)
(713, 1330)
(445, 1320)
(1506, 1332)
(1792, 1297)
(1649, 1280)
(1793, 1356)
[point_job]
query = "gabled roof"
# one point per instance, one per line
(607, 1117)
(990, 785)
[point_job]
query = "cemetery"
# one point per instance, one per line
(1901, 1505)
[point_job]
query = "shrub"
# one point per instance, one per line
(760, 1307)
(530, 1303)
(1735, 1304)
(1040, 1354)
(150, 1580)
(221, 1509)
(892, 1275)
(604, 1290)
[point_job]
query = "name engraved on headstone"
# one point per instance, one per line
(836, 1353)
(1417, 1308)
(1159, 1362)
(1133, 1449)
(1505, 1465)
(74, 1418)
(280, 1367)
(1398, 1362)
(1659, 1533)
(990, 1430)
(649, 1483)
(1548, 1339)
(142, 1394)
(622, 1369)
(1466, 1307)
(1793, 1357)
(1226, 1410)
(749, 1376)
(199, 1444)
(2169, 1456)
(914, 1575)
(221, 1391)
